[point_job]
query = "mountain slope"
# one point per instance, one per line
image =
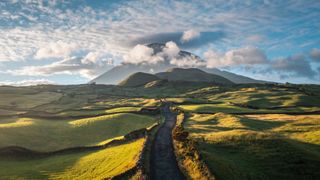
(174, 76)
(138, 79)
(192, 75)
(120, 72)
(236, 78)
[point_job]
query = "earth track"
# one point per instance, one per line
(163, 160)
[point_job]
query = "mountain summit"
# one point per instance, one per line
(120, 72)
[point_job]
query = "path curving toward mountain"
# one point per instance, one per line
(163, 160)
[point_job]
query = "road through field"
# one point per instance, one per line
(163, 160)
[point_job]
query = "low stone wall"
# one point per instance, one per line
(186, 153)
(140, 171)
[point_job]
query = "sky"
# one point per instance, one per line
(71, 42)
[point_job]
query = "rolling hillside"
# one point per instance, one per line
(138, 79)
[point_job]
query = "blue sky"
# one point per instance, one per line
(71, 42)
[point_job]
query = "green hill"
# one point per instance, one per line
(192, 75)
(138, 79)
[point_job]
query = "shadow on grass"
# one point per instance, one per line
(260, 125)
(38, 168)
(267, 158)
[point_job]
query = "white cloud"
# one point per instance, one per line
(27, 34)
(171, 50)
(188, 61)
(110, 29)
(29, 82)
(247, 56)
(190, 35)
(90, 66)
(170, 53)
(142, 54)
(56, 50)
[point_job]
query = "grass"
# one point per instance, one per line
(123, 102)
(123, 109)
(188, 157)
(258, 146)
(50, 135)
(186, 100)
(229, 108)
(5, 112)
(99, 164)
(260, 97)
(93, 112)
(27, 100)
(67, 102)
(214, 108)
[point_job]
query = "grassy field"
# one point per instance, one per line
(93, 112)
(100, 164)
(28, 100)
(214, 108)
(260, 97)
(229, 108)
(258, 146)
(264, 146)
(50, 135)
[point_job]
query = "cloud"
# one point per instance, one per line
(116, 27)
(56, 50)
(205, 39)
(255, 61)
(169, 53)
(190, 35)
(293, 66)
(247, 56)
(315, 54)
(29, 82)
(142, 54)
(90, 66)
(187, 61)
(255, 38)
(171, 50)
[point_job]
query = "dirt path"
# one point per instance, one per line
(163, 160)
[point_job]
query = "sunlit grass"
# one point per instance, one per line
(20, 122)
(50, 135)
(214, 108)
(123, 109)
(100, 164)
(270, 146)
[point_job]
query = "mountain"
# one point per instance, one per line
(192, 75)
(138, 79)
(174, 75)
(236, 78)
(120, 72)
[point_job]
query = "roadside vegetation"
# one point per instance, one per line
(188, 157)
